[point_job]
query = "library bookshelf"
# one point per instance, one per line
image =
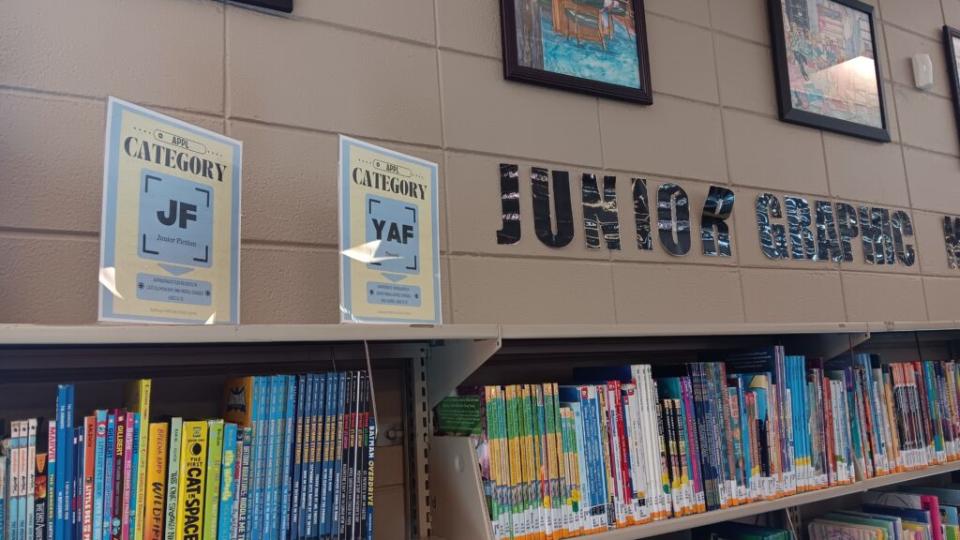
(426, 486)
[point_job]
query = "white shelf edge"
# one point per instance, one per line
(122, 334)
(716, 516)
(104, 334)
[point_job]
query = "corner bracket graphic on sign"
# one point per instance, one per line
(389, 236)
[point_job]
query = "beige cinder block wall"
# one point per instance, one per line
(424, 76)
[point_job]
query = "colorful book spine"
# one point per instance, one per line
(119, 448)
(60, 462)
(130, 436)
(40, 491)
(190, 503)
(138, 400)
(173, 479)
(31, 478)
(261, 395)
(89, 474)
(296, 514)
(100, 448)
(156, 481)
(242, 530)
(214, 463)
(228, 486)
(287, 448)
(13, 505)
(109, 459)
(322, 452)
(51, 478)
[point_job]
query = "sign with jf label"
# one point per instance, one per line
(389, 236)
(170, 237)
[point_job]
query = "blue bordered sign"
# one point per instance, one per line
(389, 236)
(170, 237)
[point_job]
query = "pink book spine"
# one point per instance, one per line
(932, 503)
(127, 472)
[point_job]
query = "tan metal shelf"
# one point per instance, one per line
(461, 511)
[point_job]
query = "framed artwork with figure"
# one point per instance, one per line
(951, 41)
(826, 67)
(597, 47)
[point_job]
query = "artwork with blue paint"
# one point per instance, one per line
(594, 40)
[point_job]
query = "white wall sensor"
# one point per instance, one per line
(922, 71)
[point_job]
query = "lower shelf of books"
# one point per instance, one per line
(461, 509)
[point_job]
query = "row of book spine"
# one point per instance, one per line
(291, 459)
(625, 446)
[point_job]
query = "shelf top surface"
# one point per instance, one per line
(25, 334)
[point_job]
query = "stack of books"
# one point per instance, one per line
(292, 458)
(902, 512)
(631, 444)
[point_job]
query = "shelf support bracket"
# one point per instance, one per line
(826, 346)
(452, 361)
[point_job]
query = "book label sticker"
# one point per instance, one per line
(170, 242)
(389, 236)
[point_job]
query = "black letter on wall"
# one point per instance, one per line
(673, 219)
(714, 232)
(641, 211)
(509, 204)
(773, 238)
(541, 207)
(600, 216)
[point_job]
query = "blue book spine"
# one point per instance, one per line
(319, 471)
(227, 487)
(296, 513)
(337, 461)
(4, 481)
(256, 508)
(600, 477)
(60, 464)
(99, 451)
(69, 481)
(108, 464)
(308, 486)
(77, 474)
(133, 472)
(271, 529)
(286, 470)
(253, 500)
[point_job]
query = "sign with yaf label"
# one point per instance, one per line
(389, 236)
(170, 237)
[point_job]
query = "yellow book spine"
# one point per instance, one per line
(138, 400)
(156, 481)
(193, 462)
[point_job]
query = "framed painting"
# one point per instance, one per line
(597, 47)
(825, 61)
(951, 42)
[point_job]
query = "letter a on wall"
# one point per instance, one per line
(389, 236)
(170, 235)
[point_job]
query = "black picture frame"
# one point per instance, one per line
(285, 6)
(512, 69)
(806, 118)
(949, 33)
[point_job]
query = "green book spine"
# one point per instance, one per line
(211, 500)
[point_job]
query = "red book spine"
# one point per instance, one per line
(624, 452)
(89, 450)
